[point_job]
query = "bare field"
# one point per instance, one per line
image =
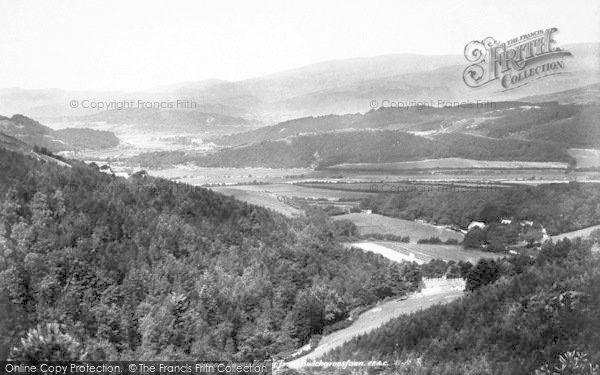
(374, 223)
(427, 252)
(387, 252)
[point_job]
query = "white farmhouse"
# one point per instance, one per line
(544, 234)
(477, 224)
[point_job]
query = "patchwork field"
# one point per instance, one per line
(379, 224)
(399, 187)
(479, 176)
(274, 196)
(303, 191)
(450, 163)
(194, 175)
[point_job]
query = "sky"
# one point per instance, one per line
(132, 45)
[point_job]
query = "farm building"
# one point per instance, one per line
(475, 224)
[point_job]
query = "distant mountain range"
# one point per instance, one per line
(31, 132)
(333, 87)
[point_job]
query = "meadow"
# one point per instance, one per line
(379, 224)
(428, 252)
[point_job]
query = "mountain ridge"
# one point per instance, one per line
(335, 86)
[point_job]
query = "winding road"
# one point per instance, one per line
(377, 316)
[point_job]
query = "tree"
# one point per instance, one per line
(475, 238)
(465, 268)
(48, 342)
(570, 363)
(532, 235)
(9, 209)
(307, 316)
(486, 271)
(490, 213)
(412, 274)
(595, 235)
(59, 209)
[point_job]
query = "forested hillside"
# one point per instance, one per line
(148, 269)
(361, 147)
(558, 207)
(33, 133)
(544, 317)
(572, 125)
(569, 124)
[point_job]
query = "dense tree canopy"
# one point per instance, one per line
(558, 207)
(146, 268)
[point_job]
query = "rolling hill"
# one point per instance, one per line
(14, 145)
(33, 133)
(588, 94)
(573, 125)
(383, 146)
